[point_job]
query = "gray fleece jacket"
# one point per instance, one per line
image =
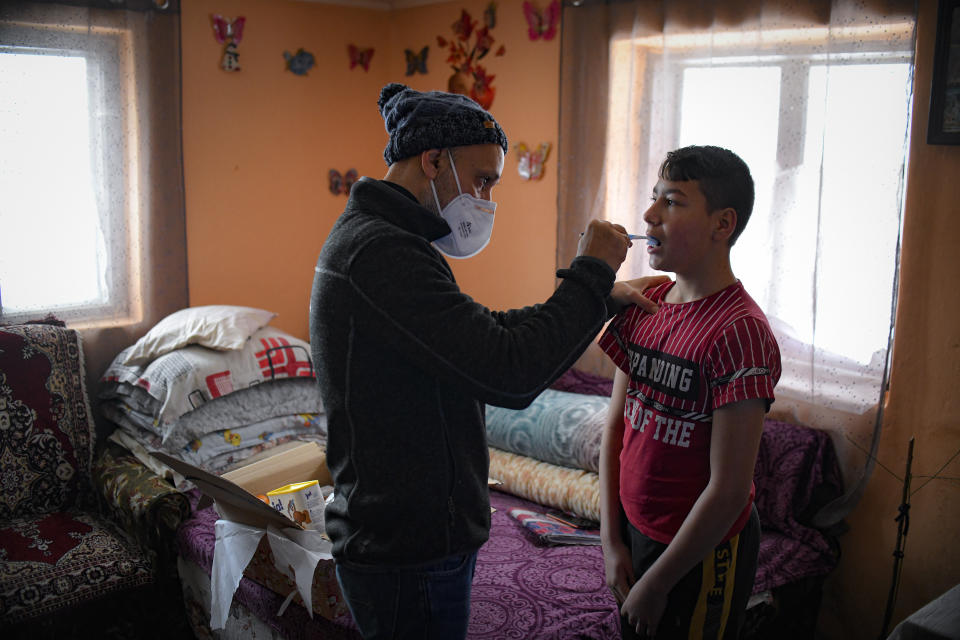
(405, 363)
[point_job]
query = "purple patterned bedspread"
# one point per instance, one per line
(520, 590)
(796, 474)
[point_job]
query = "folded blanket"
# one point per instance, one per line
(217, 449)
(796, 474)
(559, 427)
(573, 490)
(547, 531)
(184, 380)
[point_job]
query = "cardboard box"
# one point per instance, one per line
(234, 494)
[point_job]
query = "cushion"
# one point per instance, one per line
(46, 427)
(220, 327)
(558, 427)
(60, 560)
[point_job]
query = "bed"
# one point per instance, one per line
(544, 457)
(521, 589)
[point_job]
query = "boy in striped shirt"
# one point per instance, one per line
(694, 380)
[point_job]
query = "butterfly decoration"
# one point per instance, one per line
(300, 62)
(530, 161)
(417, 62)
(542, 24)
(341, 184)
(360, 56)
(229, 33)
(490, 15)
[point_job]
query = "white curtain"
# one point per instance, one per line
(92, 225)
(815, 98)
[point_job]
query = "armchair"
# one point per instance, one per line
(66, 570)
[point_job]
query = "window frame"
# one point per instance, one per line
(106, 54)
(851, 387)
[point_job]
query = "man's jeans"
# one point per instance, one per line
(430, 602)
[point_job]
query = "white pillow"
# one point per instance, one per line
(220, 327)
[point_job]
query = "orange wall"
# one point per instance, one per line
(258, 144)
(922, 402)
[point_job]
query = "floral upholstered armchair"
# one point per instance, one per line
(68, 568)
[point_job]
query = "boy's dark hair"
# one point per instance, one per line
(724, 179)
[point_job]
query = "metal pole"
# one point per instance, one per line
(903, 525)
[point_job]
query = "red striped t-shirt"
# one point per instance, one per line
(684, 362)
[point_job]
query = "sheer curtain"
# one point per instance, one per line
(815, 97)
(101, 233)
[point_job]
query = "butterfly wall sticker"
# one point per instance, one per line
(229, 33)
(417, 62)
(341, 184)
(300, 62)
(542, 24)
(360, 56)
(530, 161)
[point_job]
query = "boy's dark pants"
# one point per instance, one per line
(709, 602)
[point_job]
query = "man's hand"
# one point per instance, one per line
(644, 607)
(627, 292)
(619, 570)
(606, 241)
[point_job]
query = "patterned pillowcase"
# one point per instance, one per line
(558, 427)
(46, 427)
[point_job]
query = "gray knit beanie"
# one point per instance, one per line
(419, 121)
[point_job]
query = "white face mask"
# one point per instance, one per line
(470, 220)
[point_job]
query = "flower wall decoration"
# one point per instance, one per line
(466, 49)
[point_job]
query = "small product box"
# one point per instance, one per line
(302, 502)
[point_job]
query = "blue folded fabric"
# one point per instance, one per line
(559, 427)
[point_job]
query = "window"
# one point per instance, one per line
(64, 205)
(852, 202)
(825, 137)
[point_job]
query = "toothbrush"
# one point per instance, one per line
(650, 239)
(635, 236)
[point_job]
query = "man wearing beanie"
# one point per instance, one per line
(406, 361)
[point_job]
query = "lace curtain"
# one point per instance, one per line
(815, 96)
(128, 168)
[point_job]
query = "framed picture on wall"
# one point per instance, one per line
(944, 123)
